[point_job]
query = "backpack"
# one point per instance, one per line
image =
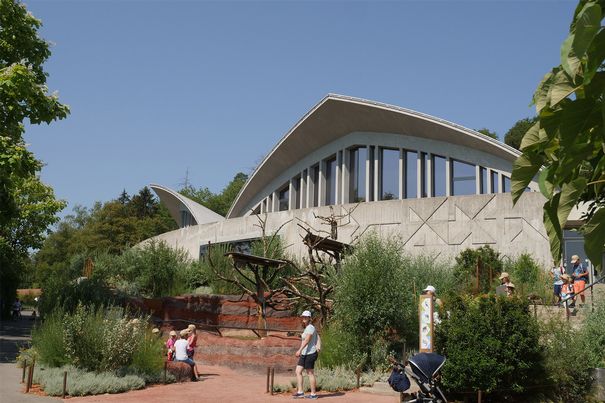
(399, 380)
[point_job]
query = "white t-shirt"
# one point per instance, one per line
(180, 348)
(311, 347)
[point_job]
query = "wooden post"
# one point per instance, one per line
(478, 277)
(268, 378)
(479, 396)
(30, 376)
(24, 368)
(272, 378)
(165, 369)
(358, 376)
(64, 383)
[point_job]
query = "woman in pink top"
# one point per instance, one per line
(170, 345)
(192, 342)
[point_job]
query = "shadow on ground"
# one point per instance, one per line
(15, 334)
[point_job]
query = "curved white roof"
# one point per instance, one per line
(336, 116)
(176, 202)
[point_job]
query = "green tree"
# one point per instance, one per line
(218, 202)
(28, 207)
(490, 267)
(489, 133)
(514, 135)
(566, 146)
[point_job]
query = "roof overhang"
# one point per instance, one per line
(336, 116)
(176, 202)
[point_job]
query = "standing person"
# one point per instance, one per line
(555, 273)
(16, 309)
(567, 291)
(580, 277)
(180, 352)
(170, 345)
(307, 355)
(191, 341)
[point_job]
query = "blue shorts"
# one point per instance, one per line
(188, 361)
(557, 289)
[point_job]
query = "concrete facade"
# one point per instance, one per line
(440, 226)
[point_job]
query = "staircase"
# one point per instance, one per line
(581, 311)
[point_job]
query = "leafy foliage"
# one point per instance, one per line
(465, 271)
(218, 202)
(488, 133)
(567, 139)
(28, 206)
(491, 344)
(514, 135)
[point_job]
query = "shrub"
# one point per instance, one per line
(593, 334)
(370, 294)
(528, 277)
(341, 378)
(465, 271)
(82, 383)
(491, 344)
(49, 341)
(148, 356)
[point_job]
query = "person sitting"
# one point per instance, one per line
(180, 352)
(510, 290)
(170, 345)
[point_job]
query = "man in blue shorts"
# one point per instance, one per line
(307, 355)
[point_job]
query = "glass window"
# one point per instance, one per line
(186, 219)
(424, 178)
(411, 175)
(357, 176)
(483, 181)
(283, 198)
(296, 191)
(505, 184)
(494, 176)
(463, 178)
(330, 175)
(389, 174)
(303, 183)
(315, 187)
(438, 173)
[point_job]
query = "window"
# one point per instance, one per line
(357, 176)
(505, 184)
(494, 177)
(424, 177)
(411, 175)
(283, 198)
(389, 174)
(303, 184)
(296, 191)
(330, 175)
(256, 210)
(463, 178)
(438, 174)
(483, 181)
(315, 185)
(186, 219)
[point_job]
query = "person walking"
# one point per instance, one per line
(307, 355)
(567, 291)
(555, 273)
(580, 278)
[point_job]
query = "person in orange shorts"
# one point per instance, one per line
(580, 277)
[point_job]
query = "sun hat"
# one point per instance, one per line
(306, 314)
(184, 332)
(565, 277)
(430, 288)
(575, 258)
(191, 327)
(503, 275)
(155, 330)
(510, 285)
(172, 333)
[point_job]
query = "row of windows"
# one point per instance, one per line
(368, 173)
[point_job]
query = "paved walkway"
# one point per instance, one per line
(218, 384)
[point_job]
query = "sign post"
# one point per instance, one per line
(425, 312)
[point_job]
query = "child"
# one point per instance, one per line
(170, 345)
(567, 293)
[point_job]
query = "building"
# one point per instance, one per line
(436, 185)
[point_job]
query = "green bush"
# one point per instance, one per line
(593, 333)
(465, 271)
(148, 356)
(82, 383)
(491, 344)
(341, 378)
(48, 340)
(370, 294)
(529, 278)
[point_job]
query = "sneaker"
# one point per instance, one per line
(299, 395)
(312, 397)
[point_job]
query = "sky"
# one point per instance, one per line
(164, 91)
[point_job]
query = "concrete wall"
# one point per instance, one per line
(439, 226)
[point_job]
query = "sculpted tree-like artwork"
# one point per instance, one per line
(566, 146)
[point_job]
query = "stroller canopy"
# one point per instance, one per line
(426, 365)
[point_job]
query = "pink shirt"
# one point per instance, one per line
(170, 343)
(192, 342)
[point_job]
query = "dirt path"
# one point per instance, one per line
(225, 385)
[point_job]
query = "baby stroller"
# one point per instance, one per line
(424, 371)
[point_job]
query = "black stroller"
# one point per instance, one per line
(425, 370)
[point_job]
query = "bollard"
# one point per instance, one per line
(268, 378)
(479, 396)
(358, 376)
(64, 383)
(24, 368)
(165, 368)
(272, 377)
(29, 378)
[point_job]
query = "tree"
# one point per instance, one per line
(566, 146)
(514, 135)
(489, 133)
(28, 206)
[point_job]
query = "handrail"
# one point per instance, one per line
(585, 289)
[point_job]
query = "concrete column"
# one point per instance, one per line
(346, 175)
(489, 181)
(275, 201)
(368, 171)
(377, 173)
(401, 172)
(418, 174)
(337, 180)
(302, 195)
(429, 174)
(477, 179)
(499, 182)
(309, 195)
(448, 177)
(321, 187)
(291, 196)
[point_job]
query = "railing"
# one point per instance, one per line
(588, 287)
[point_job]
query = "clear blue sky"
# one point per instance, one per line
(156, 88)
